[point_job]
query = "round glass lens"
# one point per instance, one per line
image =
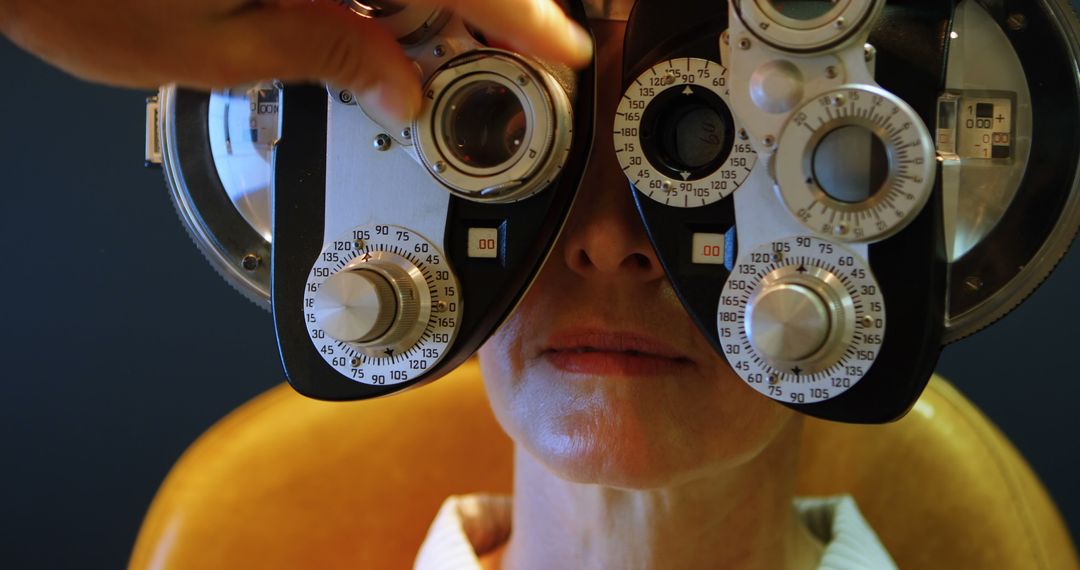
(693, 136)
(803, 10)
(850, 164)
(484, 124)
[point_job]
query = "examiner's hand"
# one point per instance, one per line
(217, 43)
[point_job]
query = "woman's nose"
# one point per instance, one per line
(604, 237)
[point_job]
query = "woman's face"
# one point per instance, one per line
(600, 373)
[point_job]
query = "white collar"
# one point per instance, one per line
(469, 526)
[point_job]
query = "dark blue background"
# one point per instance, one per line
(120, 345)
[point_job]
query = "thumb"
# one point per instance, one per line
(319, 41)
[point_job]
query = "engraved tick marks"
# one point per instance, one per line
(887, 208)
(425, 296)
(840, 281)
(696, 85)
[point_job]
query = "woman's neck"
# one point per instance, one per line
(740, 518)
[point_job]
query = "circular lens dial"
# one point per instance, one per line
(382, 305)
(484, 125)
(806, 25)
(801, 319)
(675, 136)
(856, 164)
(495, 128)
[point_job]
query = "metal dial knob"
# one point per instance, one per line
(788, 322)
(373, 303)
(356, 306)
(801, 319)
(382, 305)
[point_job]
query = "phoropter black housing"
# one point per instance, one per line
(397, 249)
(838, 189)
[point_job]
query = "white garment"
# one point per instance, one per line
(469, 526)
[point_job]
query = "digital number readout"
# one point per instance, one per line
(975, 127)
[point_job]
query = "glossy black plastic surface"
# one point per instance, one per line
(490, 288)
(912, 41)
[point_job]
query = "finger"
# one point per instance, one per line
(538, 27)
(320, 42)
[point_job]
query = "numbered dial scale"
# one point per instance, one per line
(676, 138)
(801, 319)
(855, 164)
(382, 305)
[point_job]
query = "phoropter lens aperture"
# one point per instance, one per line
(850, 164)
(675, 137)
(485, 125)
(694, 136)
(688, 132)
(807, 25)
(497, 128)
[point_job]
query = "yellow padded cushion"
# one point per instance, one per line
(287, 482)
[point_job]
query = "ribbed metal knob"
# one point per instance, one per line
(788, 322)
(356, 306)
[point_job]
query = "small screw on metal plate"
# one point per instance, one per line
(406, 133)
(382, 142)
(744, 43)
(440, 167)
(666, 185)
(774, 378)
(838, 100)
(777, 257)
(840, 23)
(867, 321)
(831, 72)
(356, 362)
(251, 262)
(345, 97)
(840, 229)
(439, 51)
(523, 80)
(360, 244)
(769, 141)
(743, 135)
(869, 52)
(439, 307)
(1017, 22)
(973, 283)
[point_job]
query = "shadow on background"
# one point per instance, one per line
(120, 345)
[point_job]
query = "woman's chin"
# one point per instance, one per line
(613, 458)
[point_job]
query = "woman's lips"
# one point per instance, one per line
(607, 353)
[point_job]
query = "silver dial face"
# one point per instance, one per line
(675, 136)
(397, 295)
(801, 319)
(855, 164)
